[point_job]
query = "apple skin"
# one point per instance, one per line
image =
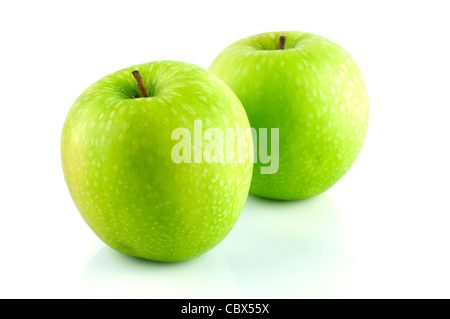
(314, 92)
(116, 158)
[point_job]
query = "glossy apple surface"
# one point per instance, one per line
(313, 91)
(116, 155)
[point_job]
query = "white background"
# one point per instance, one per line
(382, 232)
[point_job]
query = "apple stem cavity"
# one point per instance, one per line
(282, 42)
(140, 83)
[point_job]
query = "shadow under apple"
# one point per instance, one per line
(298, 249)
(290, 249)
(110, 274)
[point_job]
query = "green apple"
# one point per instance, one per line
(117, 155)
(313, 92)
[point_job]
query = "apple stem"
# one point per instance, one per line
(140, 83)
(282, 42)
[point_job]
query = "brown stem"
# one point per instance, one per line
(140, 83)
(282, 42)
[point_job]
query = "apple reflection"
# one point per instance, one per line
(291, 249)
(295, 249)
